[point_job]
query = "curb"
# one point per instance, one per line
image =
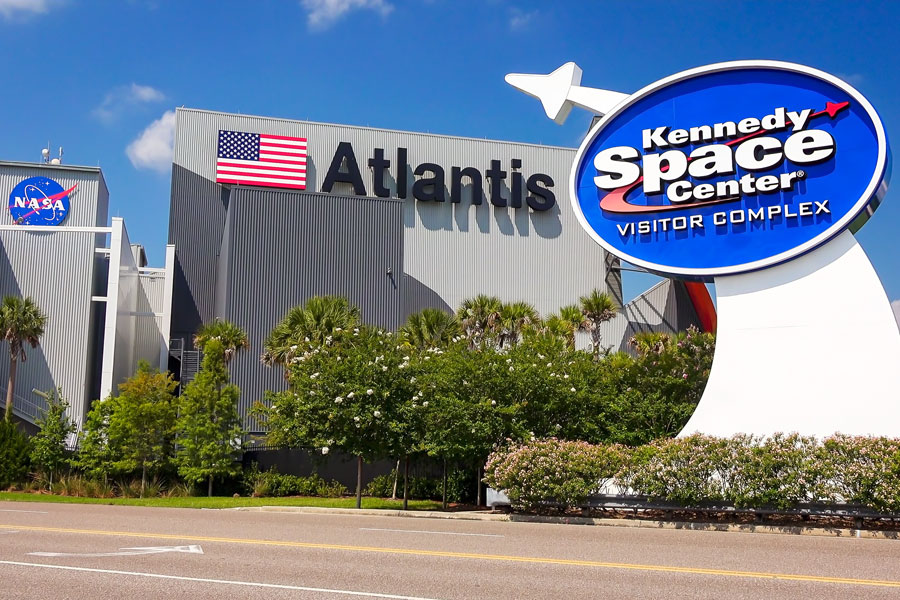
(597, 522)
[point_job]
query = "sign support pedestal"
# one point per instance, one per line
(808, 346)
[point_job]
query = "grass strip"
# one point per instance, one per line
(223, 501)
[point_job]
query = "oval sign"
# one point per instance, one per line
(39, 201)
(730, 168)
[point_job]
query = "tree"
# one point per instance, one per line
(512, 319)
(21, 322)
(321, 319)
(431, 328)
(142, 422)
(95, 456)
(478, 317)
(48, 448)
(597, 308)
(208, 427)
(232, 337)
(349, 396)
(15, 449)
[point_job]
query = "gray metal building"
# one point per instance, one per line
(106, 309)
(392, 246)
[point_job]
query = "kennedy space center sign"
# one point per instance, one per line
(730, 168)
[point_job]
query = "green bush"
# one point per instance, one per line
(460, 487)
(780, 471)
(274, 484)
(15, 449)
(553, 471)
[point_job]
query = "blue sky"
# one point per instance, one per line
(99, 77)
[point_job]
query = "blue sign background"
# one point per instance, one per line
(732, 95)
(38, 189)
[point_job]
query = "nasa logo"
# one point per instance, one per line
(39, 201)
(730, 168)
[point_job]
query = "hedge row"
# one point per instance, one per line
(781, 471)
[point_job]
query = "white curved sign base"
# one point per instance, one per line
(808, 346)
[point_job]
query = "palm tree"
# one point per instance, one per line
(430, 328)
(232, 337)
(478, 317)
(596, 308)
(513, 319)
(564, 324)
(21, 322)
(650, 342)
(316, 322)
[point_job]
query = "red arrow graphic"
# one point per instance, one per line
(615, 201)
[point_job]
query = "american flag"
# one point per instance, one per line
(261, 159)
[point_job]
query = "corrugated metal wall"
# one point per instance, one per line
(451, 251)
(57, 270)
(308, 245)
(664, 308)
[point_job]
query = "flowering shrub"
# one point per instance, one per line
(552, 470)
(781, 471)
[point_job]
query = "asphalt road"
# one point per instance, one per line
(51, 551)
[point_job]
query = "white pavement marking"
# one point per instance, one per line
(9, 531)
(276, 586)
(37, 512)
(434, 532)
(192, 549)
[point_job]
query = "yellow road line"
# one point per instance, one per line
(474, 556)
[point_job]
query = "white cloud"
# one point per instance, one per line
(519, 20)
(896, 306)
(154, 147)
(23, 8)
(121, 98)
(323, 13)
(852, 78)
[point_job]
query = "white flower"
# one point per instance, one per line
(508, 360)
(552, 374)
(425, 403)
(532, 438)
(338, 400)
(566, 376)
(493, 403)
(325, 449)
(356, 419)
(421, 394)
(384, 368)
(405, 358)
(412, 379)
(370, 391)
(549, 365)
(293, 348)
(312, 393)
(337, 329)
(377, 413)
(541, 356)
(314, 375)
(306, 339)
(511, 369)
(571, 389)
